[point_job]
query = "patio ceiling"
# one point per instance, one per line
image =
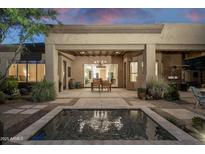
(197, 63)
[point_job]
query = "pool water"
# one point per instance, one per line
(95, 124)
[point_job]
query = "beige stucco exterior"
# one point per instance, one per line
(148, 39)
(167, 44)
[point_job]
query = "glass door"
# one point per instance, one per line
(104, 72)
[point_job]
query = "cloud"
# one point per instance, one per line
(195, 15)
(103, 16)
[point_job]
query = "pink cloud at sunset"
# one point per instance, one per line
(102, 16)
(196, 15)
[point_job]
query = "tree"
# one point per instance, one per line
(29, 22)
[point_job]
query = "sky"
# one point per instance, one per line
(110, 16)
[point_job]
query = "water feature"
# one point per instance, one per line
(124, 124)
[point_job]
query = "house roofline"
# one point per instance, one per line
(141, 28)
(31, 46)
(134, 28)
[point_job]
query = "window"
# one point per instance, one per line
(133, 71)
(13, 70)
(28, 71)
(31, 72)
(105, 72)
(22, 72)
(156, 68)
(40, 72)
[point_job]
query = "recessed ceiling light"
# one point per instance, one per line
(82, 52)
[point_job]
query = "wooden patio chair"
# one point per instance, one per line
(106, 84)
(96, 84)
(199, 98)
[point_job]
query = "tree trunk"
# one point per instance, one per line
(17, 52)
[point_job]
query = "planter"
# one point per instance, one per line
(141, 95)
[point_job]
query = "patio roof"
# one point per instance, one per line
(141, 28)
(197, 63)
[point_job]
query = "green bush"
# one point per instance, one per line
(156, 88)
(43, 91)
(198, 123)
(141, 90)
(2, 97)
(10, 86)
(172, 93)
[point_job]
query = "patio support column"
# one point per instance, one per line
(51, 57)
(150, 61)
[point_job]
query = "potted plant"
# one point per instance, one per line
(141, 93)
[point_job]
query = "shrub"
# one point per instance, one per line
(24, 91)
(172, 93)
(43, 91)
(141, 90)
(198, 123)
(10, 86)
(156, 88)
(2, 97)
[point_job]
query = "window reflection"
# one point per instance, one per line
(100, 122)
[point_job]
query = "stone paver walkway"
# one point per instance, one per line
(182, 114)
(141, 103)
(101, 103)
(39, 106)
(26, 109)
(86, 92)
(59, 101)
(30, 111)
(13, 111)
(26, 106)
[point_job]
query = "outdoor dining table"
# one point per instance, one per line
(101, 85)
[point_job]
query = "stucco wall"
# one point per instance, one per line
(171, 34)
(61, 59)
(141, 69)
